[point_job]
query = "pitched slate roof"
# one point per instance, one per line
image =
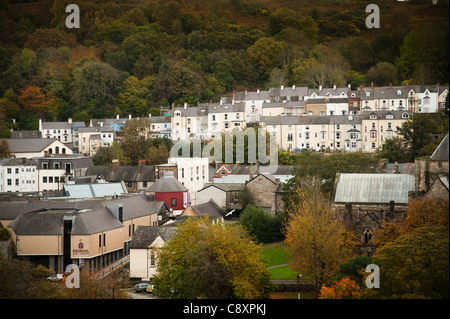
(167, 184)
(123, 173)
(209, 208)
(374, 188)
(441, 153)
(51, 222)
(146, 235)
(29, 145)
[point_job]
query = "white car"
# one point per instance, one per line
(55, 277)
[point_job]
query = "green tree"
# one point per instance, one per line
(206, 260)
(264, 227)
(136, 96)
(416, 265)
(418, 132)
(424, 54)
(266, 54)
(394, 150)
(383, 74)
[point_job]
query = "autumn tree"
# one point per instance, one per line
(211, 260)
(343, 289)
(35, 100)
(22, 280)
(318, 241)
(93, 286)
(157, 154)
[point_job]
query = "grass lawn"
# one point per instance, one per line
(283, 273)
(275, 254)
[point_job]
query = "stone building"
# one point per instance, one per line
(267, 192)
(364, 201)
(434, 169)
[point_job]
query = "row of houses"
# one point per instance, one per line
(208, 120)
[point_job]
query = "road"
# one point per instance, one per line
(140, 295)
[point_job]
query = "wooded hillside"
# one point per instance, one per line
(130, 57)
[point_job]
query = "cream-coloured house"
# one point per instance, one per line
(90, 139)
(37, 147)
(342, 132)
(144, 250)
(91, 233)
(378, 126)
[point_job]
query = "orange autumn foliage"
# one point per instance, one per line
(343, 289)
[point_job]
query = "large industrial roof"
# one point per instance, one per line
(374, 188)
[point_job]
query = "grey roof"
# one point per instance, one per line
(29, 145)
(95, 129)
(209, 208)
(327, 100)
(94, 190)
(190, 111)
(51, 222)
(390, 92)
(324, 91)
(146, 235)
(26, 134)
(61, 125)
(76, 161)
(314, 120)
(441, 153)
(167, 184)
(17, 162)
(134, 206)
(226, 187)
(383, 114)
(252, 96)
(374, 188)
(289, 91)
(143, 173)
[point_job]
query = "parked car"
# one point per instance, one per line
(55, 277)
(149, 289)
(141, 287)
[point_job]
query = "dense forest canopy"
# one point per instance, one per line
(130, 57)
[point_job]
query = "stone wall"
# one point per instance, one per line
(264, 193)
(427, 171)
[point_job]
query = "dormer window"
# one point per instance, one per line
(399, 92)
(353, 95)
(177, 113)
(367, 94)
(389, 116)
(405, 115)
(373, 116)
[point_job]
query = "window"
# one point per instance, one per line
(373, 134)
(373, 145)
(226, 125)
(17, 171)
(9, 181)
(373, 117)
(99, 240)
(104, 239)
(405, 115)
(9, 170)
(289, 137)
(17, 181)
(213, 117)
(173, 202)
(226, 116)
(44, 179)
(237, 116)
(50, 179)
(338, 126)
(56, 165)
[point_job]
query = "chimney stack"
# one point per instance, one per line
(117, 117)
(69, 120)
(115, 163)
(371, 85)
(141, 164)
